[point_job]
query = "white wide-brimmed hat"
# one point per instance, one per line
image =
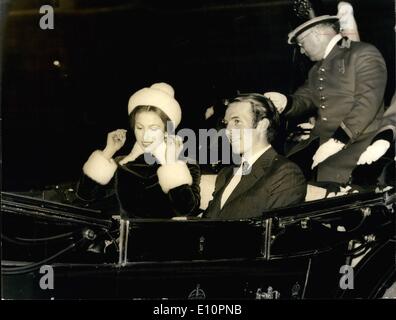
(309, 24)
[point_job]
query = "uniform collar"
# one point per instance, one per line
(332, 44)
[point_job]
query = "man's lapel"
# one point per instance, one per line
(225, 179)
(248, 180)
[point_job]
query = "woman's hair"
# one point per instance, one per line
(165, 119)
(262, 107)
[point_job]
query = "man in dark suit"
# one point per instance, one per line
(264, 180)
(346, 87)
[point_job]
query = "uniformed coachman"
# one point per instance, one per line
(346, 86)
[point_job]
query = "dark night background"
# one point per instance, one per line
(53, 117)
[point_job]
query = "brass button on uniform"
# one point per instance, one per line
(320, 88)
(323, 106)
(321, 79)
(322, 69)
(322, 98)
(324, 119)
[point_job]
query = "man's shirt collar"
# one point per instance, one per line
(252, 158)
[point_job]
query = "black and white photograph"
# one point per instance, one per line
(207, 150)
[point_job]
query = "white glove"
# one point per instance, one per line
(278, 99)
(374, 152)
(326, 150)
(347, 21)
(342, 192)
(306, 125)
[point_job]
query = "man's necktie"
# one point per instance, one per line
(245, 168)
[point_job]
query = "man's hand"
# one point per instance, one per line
(342, 192)
(374, 152)
(278, 99)
(307, 127)
(326, 150)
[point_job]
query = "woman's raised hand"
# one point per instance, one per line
(115, 141)
(174, 145)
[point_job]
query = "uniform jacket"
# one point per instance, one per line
(273, 182)
(143, 190)
(347, 90)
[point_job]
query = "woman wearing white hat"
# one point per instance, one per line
(151, 181)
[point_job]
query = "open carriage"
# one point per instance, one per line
(342, 247)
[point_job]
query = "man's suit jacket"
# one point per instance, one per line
(273, 182)
(347, 90)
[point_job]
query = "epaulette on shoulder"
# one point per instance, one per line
(345, 42)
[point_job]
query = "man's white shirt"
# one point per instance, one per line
(246, 158)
